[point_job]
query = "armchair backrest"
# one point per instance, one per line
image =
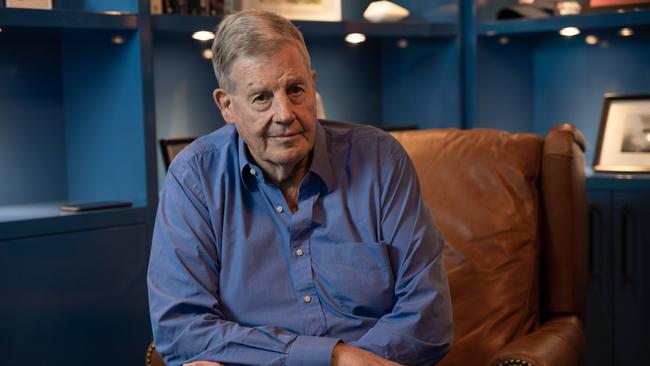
(490, 193)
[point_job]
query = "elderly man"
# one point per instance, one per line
(284, 240)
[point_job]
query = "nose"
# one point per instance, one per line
(283, 109)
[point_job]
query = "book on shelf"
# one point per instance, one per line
(156, 7)
(29, 4)
(198, 7)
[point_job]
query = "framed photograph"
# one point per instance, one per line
(595, 6)
(624, 138)
(319, 10)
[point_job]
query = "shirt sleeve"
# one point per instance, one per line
(418, 330)
(183, 279)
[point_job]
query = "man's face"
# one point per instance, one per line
(273, 106)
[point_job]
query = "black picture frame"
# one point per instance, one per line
(624, 138)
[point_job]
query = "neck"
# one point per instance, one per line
(287, 178)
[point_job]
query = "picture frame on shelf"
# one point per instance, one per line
(624, 137)
(29, 4)
(599, 6)
(315, 10)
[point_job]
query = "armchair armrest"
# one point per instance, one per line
(560, 341)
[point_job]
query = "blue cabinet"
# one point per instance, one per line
(631, 277)
(619, 283)
(599, 309)
(77, 298)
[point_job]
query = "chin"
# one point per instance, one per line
(289, 157)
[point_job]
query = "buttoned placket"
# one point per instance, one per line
(299, 226)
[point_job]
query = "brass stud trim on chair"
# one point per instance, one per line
(147, 359)
(515, 362)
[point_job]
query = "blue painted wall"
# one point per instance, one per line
(420, 83)
(32, 138)
(571, 78)
(102, 88)
(504, 78)
(533, 83)
(348, 79)
(183, 82)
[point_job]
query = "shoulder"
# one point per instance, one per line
(362, 139)
(206, 152)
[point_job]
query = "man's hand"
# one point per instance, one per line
(346, 355)
(202, 363)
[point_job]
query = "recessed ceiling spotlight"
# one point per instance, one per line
(203, 35)
(569, 31)
(117, 40)
(491, 33)
(402, 43)
(504, 40)
(591, 39)
(207, 54)
(625, 32)
(355, 38)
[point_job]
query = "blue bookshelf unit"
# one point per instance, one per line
(72, 129)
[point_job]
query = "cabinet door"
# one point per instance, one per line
(598, 313)
(631, 278)
(75, 299)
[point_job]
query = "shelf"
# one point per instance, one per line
(66, 19)
(191, 23)
(620, 182)
(45, 218)
(553, 24)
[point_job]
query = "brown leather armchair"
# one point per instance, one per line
(512, 210)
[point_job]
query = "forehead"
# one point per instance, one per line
(286, 64)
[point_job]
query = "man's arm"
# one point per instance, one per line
(419, 328)
(183, 278)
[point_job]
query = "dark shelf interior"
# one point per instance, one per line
(554, 24)
(67, 19)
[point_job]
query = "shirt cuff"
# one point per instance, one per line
(312, 351)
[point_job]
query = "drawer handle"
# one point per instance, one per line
(626, 270)
(595, 240)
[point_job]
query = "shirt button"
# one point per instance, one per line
(279, 209)
(253, 171)
(299, 252)
(307, 299)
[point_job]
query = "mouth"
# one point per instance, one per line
(286, 135)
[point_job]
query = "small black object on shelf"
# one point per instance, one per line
(537, 9)
(92, 206)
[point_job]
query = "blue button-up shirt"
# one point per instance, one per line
(236, 277)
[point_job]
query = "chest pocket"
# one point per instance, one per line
(356, 277)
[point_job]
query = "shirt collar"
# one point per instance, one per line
(320, 160)
(320, 163)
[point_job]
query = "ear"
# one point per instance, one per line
(313, 77)
(222, 100)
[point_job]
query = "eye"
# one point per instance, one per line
(295, 90)
(261, 98)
